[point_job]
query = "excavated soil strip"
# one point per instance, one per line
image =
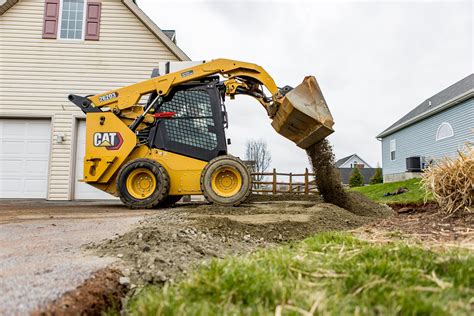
(97, 294)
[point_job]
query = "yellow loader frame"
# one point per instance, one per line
(116, 115)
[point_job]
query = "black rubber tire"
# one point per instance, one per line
(206, 177)
(162, 183)
(169, 201)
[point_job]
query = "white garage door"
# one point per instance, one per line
(82, 190)
(24, 158)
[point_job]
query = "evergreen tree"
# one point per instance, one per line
(377, 177)
(356, 179)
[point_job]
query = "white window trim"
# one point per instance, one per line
(60, 18)
(394, 149)
(439, 127)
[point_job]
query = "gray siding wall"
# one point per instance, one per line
(419, 139)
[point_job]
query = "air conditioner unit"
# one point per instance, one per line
(415, 163)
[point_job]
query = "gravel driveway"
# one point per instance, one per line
(40, 247)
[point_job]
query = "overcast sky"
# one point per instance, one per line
(374, 60)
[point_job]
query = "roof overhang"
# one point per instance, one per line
(355, 155)
(6, 4)
(443, 106)
(132, 6)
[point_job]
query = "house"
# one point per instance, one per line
(352, 161)
(49, 49)
(437, 128)
(347, 164)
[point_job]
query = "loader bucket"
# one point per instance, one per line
(303, 116)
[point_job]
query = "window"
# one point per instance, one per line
(393, 148)
(445, 130)
(193, 124)
(72, 19)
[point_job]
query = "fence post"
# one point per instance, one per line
(306, 184)
(290, 185)
(274, 181)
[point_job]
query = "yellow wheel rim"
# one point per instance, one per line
(226, 181)
(141, 183)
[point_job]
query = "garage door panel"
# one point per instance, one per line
(38, 148)
(24, 158)
(11, 185)
(13, 147)
(35, 185)
(36, 166)
(13, 128)
(10, 166)
(34, 130)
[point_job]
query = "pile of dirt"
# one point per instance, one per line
(166, 246)
(329, 182)
(98, 293)
(320, 217)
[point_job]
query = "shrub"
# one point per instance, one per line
(451, 182)
(356, 179)
(377, 177)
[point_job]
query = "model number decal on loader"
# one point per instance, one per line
(109, 140)
(108, 96)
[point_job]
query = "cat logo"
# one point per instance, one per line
(109, 140)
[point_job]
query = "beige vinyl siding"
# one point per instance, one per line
(36, 75)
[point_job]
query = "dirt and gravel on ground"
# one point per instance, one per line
(49, 249)
(166, 246)
(424, 224)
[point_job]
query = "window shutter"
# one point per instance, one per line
(93, 21)
(50, 19)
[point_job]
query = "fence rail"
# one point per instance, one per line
(277, 186)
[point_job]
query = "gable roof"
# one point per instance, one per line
(169, 40)
(452, 95)
(342, 161)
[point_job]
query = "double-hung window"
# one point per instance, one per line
(72, 19)
(393, 149)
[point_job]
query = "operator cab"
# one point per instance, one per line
(197, 128)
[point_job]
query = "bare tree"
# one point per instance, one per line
(258, 156)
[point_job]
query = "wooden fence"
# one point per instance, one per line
(297, 183)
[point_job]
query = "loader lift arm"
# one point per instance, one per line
(175, 145)
(241, 78)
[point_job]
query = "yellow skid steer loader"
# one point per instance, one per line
(152, 154)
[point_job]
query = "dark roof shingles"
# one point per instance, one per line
(341, 161)
(451, 92)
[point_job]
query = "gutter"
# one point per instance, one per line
(443, 106)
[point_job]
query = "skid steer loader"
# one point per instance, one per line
(152, 154)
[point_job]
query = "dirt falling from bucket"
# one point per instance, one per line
(328, 181)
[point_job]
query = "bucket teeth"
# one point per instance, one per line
(303, 115)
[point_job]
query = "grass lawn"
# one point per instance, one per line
(330, 273)
(375, 192)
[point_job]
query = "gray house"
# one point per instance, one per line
(437, 128)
